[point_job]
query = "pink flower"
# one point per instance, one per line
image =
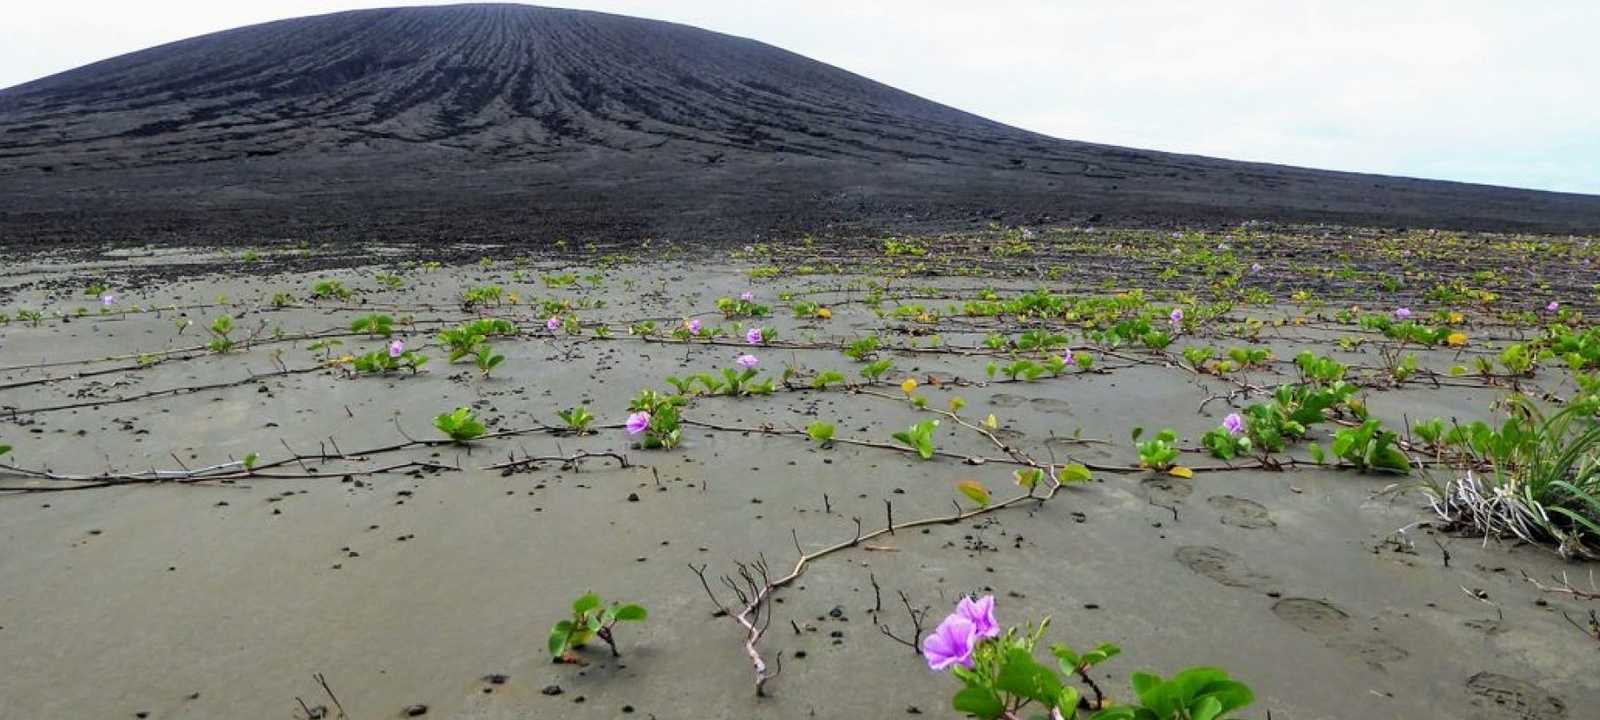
(1553, 306)
(1177, 317)
(747, 361)
(1402, 313)
(638, 422)
(747, 295)
(981, 613)
(694, 327)
(108, 299)
(1233, 423)
(753, 336)
(951, 643)
(397, 348)
(553, 324)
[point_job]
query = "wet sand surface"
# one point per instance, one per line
(222, 599)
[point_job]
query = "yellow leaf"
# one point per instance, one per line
(1456, 339)
(824, 313)
(990, 422)
(975, 490)
(1456, 317)
(909, 386)
(1180, 471)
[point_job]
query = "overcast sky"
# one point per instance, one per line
(1506, 93)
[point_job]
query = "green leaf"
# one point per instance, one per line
(558, 637)
(1075, 473)
(587, 602)
(5, 449)
(1021, 675)
(1145, 685)
(979, 702)
(1207, 709)
(631, 613)
(1317, 455)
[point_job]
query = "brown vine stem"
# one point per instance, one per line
(756, 599)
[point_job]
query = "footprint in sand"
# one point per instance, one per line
(1166, 489)
(1007, 400)
(1500, 697)
(1051, 405)
(1326, 621)
(1224, 567)
(1241, 513)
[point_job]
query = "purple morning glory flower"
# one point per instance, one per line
(694, 326)
(951, 643)
(553, 324)
(1402, 313)
(981, 613)
(747, 361)
(753, 336)
(747, 295)
(397, 348)
(1177, 317)
(1233, 423)
(1255, 268)
(1553, 306)
(638, 422)
(108, 299)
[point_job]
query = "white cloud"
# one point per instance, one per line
(1492, 92)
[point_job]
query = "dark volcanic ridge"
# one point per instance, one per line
(510, 122)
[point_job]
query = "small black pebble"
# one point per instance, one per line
(416, 710)
(552, 690)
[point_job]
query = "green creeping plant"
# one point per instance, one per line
(822, 432)
(329, 289)
(826, 378)
(862, 349)
(1157, 453)
(461, 426)
(919, 437)
(1001, 679)
(488, 359)
(577, 419)
(220, 342)
(483, 295)
(1370, 447)
(381, 361)
(875, 370)
(591, 620)
(742, 308)
(375, 325)
(1026, 369)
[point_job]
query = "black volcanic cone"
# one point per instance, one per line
(510, 122)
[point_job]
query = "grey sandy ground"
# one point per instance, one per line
(213, 600)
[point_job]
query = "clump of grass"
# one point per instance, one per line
(1543, 485)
